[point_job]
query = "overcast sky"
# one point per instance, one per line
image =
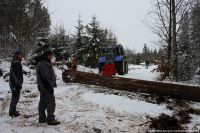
(124, 17)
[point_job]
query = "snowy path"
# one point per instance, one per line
(76, 114)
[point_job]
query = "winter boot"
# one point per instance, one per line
(42, 120)
(53, 123)
(14, 114)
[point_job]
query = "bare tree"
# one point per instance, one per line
(167, 17)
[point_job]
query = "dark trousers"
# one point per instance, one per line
(14, 100)
(47, 102)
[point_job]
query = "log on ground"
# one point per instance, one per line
(176, 91)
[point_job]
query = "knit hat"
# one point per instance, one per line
(18, 52)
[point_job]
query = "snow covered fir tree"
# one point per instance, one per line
(21, 22)
(93, 46)
(41, 46)
(185, 71)
(59, 43)
(89, 39)
(80, 43)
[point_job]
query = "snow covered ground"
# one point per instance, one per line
(76, 114)
(140, 72)
(122, 104)
(86, 69)
(80, 108)
(135, 71)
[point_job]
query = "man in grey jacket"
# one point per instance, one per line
(15, 82)
(46, 81)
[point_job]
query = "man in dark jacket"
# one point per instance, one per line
(15, 82)
(46, 81)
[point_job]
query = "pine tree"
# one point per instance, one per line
(41, 46)
(111, 39)
(145, 52)
(195, 35)
(184, 51)
(80, 43)
(93, 47)
(104, 38)
(59, 43)
(24, 20)
(155, 54)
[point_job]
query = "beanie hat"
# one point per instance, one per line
(18, 52)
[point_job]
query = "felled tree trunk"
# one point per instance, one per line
(175, 91)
